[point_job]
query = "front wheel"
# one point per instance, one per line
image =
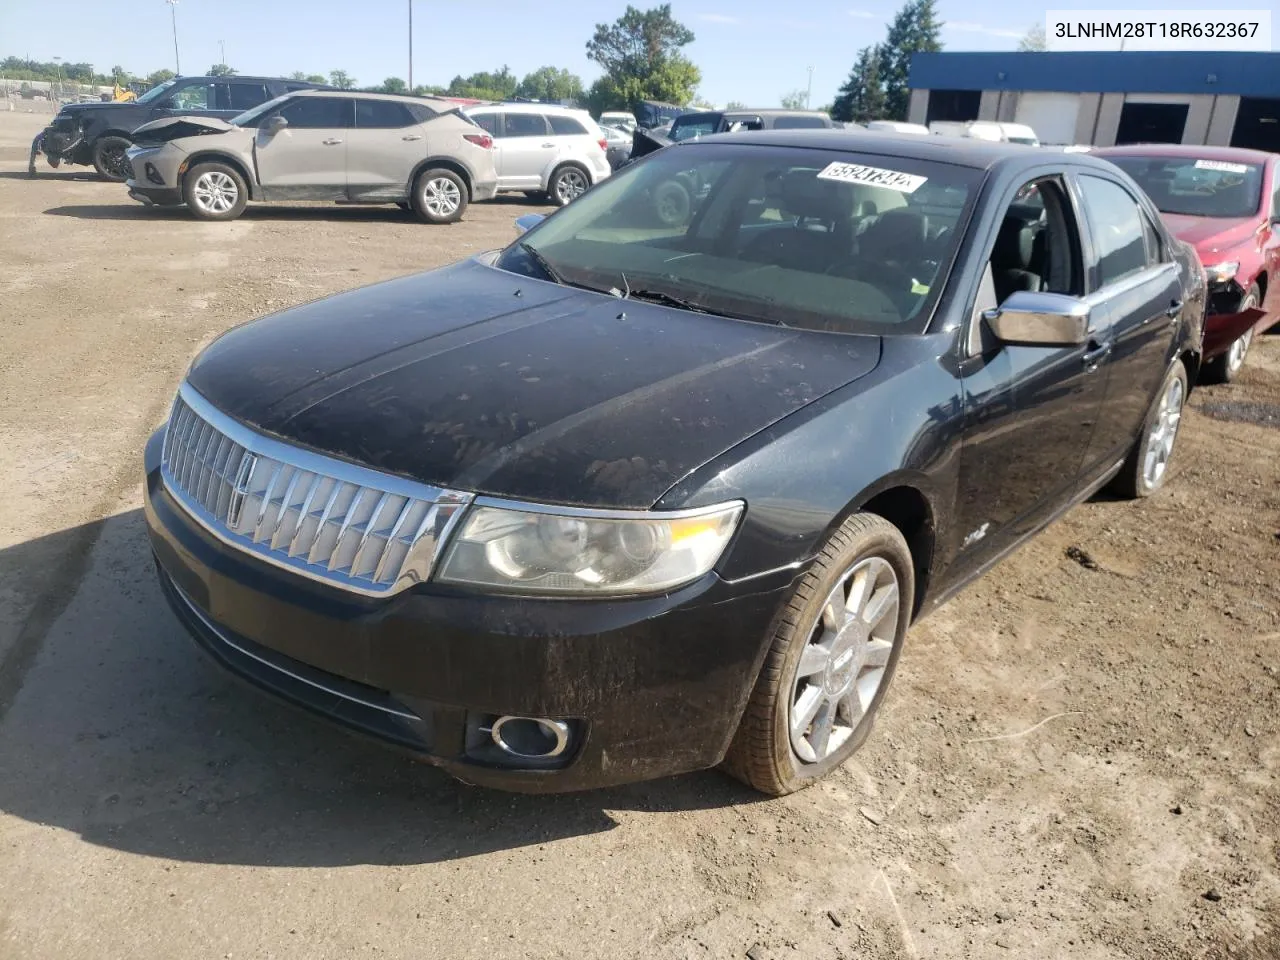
(110, 159)
(215, 191)
(832, 657)
(1147, 466)
(1224, 368)
(439, 196)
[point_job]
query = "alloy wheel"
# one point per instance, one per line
(441, 197)
(843, 664)
(1235, 356)
(570, 185)
(116, 162)
(1163, 432)
(215, 192)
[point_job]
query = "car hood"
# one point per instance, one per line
(1211, 235)
(476, 379)
(178, 128)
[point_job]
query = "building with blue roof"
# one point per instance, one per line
(1106, 98)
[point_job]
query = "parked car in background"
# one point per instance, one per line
(707, 122)
(897, 126)
(1225, 201)
(619, 142)
(655, 113)
(987, 130)
(545, 151)
(620, 119)
(100, 133)
(418, 152)
(625, 500)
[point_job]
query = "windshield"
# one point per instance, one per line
(155, 93)
(688, 129)
(251, 116)
(818, 239)
(1197, 188)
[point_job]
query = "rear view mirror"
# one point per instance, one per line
(276, 124)
(528, 222)
(1041, 319)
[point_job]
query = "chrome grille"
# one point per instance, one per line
(330, 520)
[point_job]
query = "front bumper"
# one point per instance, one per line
(652, 686)
(64, 142)
(1225, 322)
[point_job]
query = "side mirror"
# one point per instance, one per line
(1040, 319)
(528, 222)
(276, 124)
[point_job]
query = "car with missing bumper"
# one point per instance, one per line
(627, 499)
(420, 153)
(100, 134)
(1224, 201)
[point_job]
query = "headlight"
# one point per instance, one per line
(1222, 272)
(547, 550)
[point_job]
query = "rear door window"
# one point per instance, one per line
(566, 126)
(798, 123)
(1117, 229)
(195, 96)
(245, 96)
(315, 113)
(525, 125)
(382, 115)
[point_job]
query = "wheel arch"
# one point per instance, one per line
(569, 162)
(445, 163)
(205, 156)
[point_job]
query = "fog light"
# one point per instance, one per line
(154, 175)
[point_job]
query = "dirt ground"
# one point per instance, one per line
(1078, 761)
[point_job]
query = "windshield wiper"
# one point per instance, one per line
(668, 300)
(543, 263)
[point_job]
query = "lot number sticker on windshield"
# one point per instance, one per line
(873, 177)
(1221, 165)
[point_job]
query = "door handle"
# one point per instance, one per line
(1175, 308)
(1096, 353)
(412, 136)
(330, 143)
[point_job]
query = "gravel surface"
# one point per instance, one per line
(1079, 758)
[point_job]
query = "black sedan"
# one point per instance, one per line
(633, 497)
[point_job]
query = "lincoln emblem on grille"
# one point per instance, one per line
(243, 473)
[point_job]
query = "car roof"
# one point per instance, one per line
(507, 107)
(237, 76)
(1188, 150)
(751, 112)
(959, 151)
(436, 103)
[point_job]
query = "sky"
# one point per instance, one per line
(752, 51)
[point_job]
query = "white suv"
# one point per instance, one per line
(544, 150)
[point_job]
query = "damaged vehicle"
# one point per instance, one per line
(625, 500)
(100, 134)
(420, 153)
(1224, 201)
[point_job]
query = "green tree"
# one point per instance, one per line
(393, 85)
(221, 70)
(640, 54)
(120, 75)
(862, 97)
(915, 29)
(297, 75)
(735, 105)
(159, 77)
(550, 84)
(795, 100)
(1035, 40)
(485, 85)
(341, 79)
(315, 78)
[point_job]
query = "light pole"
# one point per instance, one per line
(222, 46)
(411, 46)
(808, 90)
(173, 15)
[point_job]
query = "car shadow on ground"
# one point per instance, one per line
(274, 212)
(115, 727)
(69, 176)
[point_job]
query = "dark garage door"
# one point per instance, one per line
(1152, 123)
(1257, 125)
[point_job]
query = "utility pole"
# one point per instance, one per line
(808, 90)
(222, 46)
(173, 14)
(411, 46)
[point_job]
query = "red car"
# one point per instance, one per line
(1225, 202)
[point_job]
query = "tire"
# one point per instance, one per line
(439, 196)
(672, 203)
(567, 184)
(1224, 368)
(765, 754)
(1141, 475)
(109, 159)
(215, 191)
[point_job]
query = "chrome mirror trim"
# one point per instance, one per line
(1040, 319)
